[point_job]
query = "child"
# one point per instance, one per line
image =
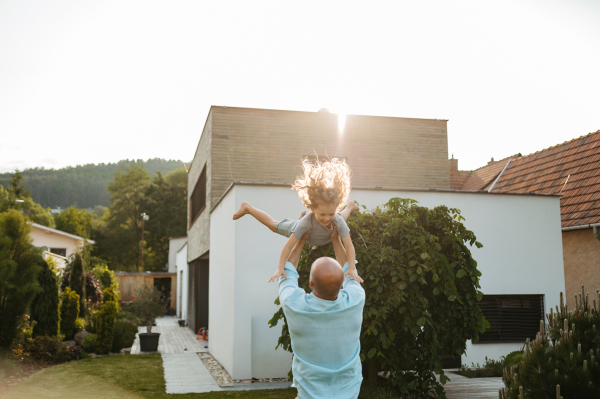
(324, 188)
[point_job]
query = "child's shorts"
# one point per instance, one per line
(285, 227)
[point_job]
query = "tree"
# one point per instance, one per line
(45, 306)
(118, 240)
(75, 221)
(166, 203)
(77, 278)
(69, 309)
(422, 288)
(20, 264)
(35, 212)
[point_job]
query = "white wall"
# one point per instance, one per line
(521, 254)
(175, 245)
(182, 286)
(222, 311)
(44, 238)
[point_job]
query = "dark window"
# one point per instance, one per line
(59, 251)
(198, 199)
(512, 318)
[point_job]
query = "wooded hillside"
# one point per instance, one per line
(82, 186)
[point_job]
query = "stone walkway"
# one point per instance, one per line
(460, 387)
(185, 373)
(173, 339)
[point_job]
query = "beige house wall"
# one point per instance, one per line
(199, 229)
(45, 238)
(262, 145)
(581, 253)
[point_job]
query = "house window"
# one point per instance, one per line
(198, 199)
(59, 251)
(512, 318)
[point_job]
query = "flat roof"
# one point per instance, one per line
(408, 189)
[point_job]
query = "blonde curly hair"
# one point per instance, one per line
(324, 183)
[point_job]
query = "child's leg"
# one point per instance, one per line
(259, 215)
(351, 207)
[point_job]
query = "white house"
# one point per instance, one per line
(57, 242)
(521, 258)
(175, 245)
(182, 282)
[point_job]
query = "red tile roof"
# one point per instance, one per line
(576, 163)
(482, 177)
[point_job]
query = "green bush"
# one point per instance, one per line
(89, 343)
(77, 278)
(512, 359)
(491, 368)
(79, 324)
(91, 322)
(124, 335)
(47, 348)
(422, 289)
(105, 276)
(111, 294)
(105, 329)
(44, 308)
(69, 309)
(563, 358)
(130, 317)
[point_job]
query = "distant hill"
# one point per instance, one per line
(83, 186)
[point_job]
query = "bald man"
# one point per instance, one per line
(324, 325)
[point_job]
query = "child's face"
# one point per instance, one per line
(324, 213)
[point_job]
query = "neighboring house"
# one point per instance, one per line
(253, 155)
(175, 245)
(56, 241)
(571, 170)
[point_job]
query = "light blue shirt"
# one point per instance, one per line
(325, 338)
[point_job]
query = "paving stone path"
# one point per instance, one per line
(173, 339)
(460, 387)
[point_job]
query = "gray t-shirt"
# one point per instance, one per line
(320, 235)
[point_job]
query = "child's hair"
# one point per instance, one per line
(324, 183)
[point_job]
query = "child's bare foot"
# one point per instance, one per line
(244, 209)
(352, 206)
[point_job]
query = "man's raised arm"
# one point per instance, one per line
(294, 257)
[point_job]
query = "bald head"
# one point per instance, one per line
(326, 278)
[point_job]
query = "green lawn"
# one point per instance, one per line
(138, 376)
(133, 376)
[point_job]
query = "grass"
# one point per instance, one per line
(131, 377)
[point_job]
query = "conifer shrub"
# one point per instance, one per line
(105, 276)
(69, 310)
(93, 289)
(562, 361)
(45, 306)
(89, 343)
(105, 326)
(124, 335)
(77, 279)
(20, 264)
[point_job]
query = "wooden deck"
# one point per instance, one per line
(460, 387)
(173, 339)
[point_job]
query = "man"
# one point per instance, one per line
(324, 325)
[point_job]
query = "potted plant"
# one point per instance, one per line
(148, 305)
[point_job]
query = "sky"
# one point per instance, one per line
(100, 81)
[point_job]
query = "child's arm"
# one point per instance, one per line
(351, 254)
(285, 253)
